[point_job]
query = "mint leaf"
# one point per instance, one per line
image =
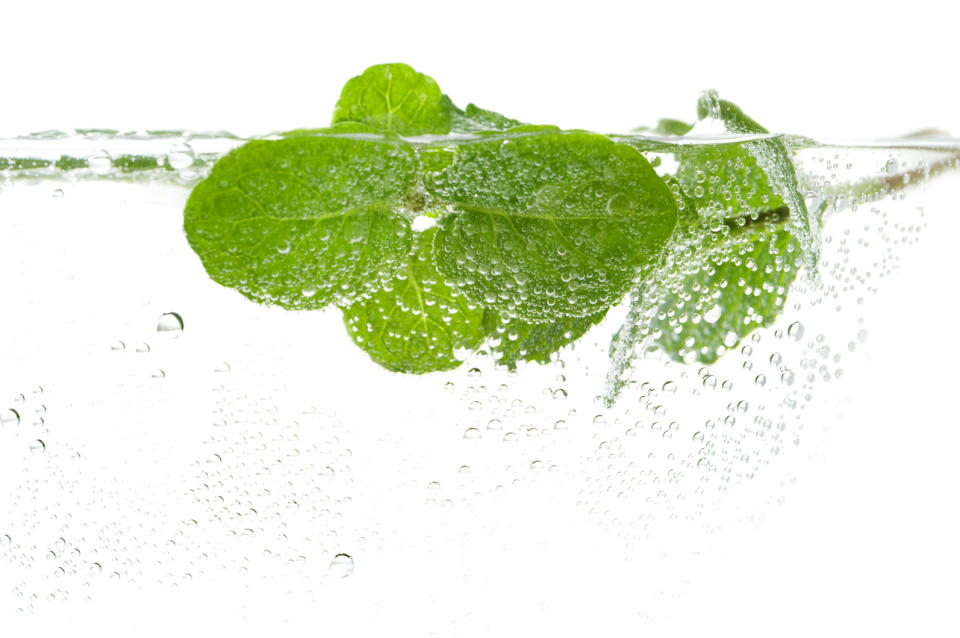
(415, 322)
(543, 224)
(301, 221)
(728, 288)
(513, 340)
(394, 97)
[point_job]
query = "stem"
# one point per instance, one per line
(875, 188)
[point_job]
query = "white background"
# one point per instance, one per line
(860, 69)
(871, 531)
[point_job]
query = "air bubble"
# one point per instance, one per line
(170, 322)
(100, 163)
(712, 315)
(180, 156)
(342, 565)
(795, 331)
(9, 417)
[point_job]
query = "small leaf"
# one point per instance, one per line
(301, 221)
(545, 224)
(415, 323)
(514, 340)
(394, 97)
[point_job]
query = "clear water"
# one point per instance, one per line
(174, 457)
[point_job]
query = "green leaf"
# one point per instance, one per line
(543, 224)
(729, 285)
(414, 323)
(394, 97)
(302, 221)
(514, 340)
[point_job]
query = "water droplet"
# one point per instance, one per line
(795, 331)
(787, 377)
(776, 358)
(461, 352)
(170, 322)
(760, 380)
(670, 387)
(471, 434)
(308, 291)
(119, 345)
(9, 417)
(342, 565)
(38, 447)
(143, 347)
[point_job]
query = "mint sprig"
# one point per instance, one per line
(538, 231)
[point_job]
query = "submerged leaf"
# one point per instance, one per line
(732, 287)
(415, 323)
(546, 224)
(302, 221)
